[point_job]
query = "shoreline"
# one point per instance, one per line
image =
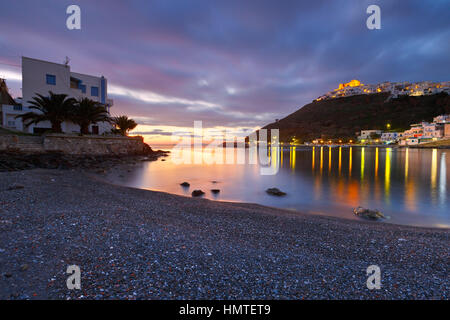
(278, 210)
(139, 244)
(17, 161)
(125, 168)
(121, 171)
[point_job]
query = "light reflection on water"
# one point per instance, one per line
(409, 185)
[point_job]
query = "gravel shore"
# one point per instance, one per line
(138, 244)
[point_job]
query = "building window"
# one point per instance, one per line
(83, 88)
(74, 83)
(11, 124)
(94, 91)
(18, 107)
(51, 79)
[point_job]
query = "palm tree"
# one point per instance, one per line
(55, 108)
(123, 124)
(86, 112)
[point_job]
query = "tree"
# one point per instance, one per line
(86, 112)
(123, 124)
(55, 108)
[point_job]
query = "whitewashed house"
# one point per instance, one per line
(411, 141)
(443, 118)
(40, 76)
(9, 109)
(391, 137)
(367, 134)
(432, 130)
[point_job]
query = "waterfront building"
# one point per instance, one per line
(432, 130)
(369, 134)
(40, 76)
(425, 131)
(411, 141)
(416, 131)
(391, 137)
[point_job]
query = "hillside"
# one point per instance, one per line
(341, 118)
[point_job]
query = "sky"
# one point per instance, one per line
(234, 65)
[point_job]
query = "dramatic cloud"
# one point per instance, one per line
(227, 63)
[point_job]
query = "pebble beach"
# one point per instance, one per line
(140, 244)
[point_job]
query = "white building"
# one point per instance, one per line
(424, 132)
(432, 130)
(367, 134)
(443, 118)
(416, 131)
(391, 137)
(9, 109)
(9, 114)
(40, 76)
(411, 141)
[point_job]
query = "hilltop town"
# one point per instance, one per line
(395, 89)
(389, 113)
(419, 133)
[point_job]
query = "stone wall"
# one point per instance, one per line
(74, 145)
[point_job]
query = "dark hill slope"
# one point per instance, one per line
(343, 117)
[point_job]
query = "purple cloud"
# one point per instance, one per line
(229, 63)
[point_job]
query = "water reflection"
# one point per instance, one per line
(433, 170)
(281, 157)
(293, 155)
(443, 180)
(376, 163)
(329, 159)
(362, 164)
(406, 163)
(410, 196)
(387, 174)
(377, 188)
(321, 160)
(410, 185)
(350, 162)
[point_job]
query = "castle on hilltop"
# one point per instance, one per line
(395, 89)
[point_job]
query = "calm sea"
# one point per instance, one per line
(409, 185)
